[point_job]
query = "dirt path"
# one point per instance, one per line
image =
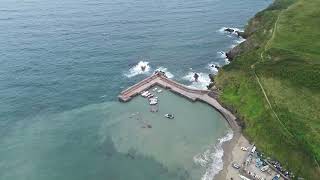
(258, 80)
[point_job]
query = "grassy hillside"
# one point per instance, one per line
(273, 84)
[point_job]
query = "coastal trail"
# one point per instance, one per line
(258, 80)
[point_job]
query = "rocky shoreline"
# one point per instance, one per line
(232, 146)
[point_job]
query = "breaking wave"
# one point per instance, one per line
(223, 56)
(137, 69)
(165, 70)
(202, 83)
(237, 42)
(222, 30)
(213, 67)
(211, 159)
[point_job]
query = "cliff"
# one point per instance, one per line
(273, 84)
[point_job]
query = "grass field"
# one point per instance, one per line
(285, 121)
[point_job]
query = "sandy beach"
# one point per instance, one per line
(232, 153)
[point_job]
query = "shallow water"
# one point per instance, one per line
(171, 142)
(62, 64)
(113, 140)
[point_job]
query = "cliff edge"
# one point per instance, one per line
(273, 84)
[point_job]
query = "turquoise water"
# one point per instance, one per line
(62, 64)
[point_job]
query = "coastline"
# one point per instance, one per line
(229, 147)
(195, 95)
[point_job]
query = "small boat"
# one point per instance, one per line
(170, 116)
(153, 102)
(150, 95)
(144, 93)
(159, 91)
(154, 89)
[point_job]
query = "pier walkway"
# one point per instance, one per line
(159, 79)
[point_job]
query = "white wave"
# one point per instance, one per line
(213, 67)
(227, 61)
(137, 69)
(237, 42)
(223, 55)
(165, 70)
(222, 30)
(202, 83)
(211, 159)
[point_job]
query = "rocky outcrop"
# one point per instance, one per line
(242, 34)
(196, 76)
(233, 53)
(243, 47)
(230, 30)
(237, 32)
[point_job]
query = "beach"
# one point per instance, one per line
(232, 153)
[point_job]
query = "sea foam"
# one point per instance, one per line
(223, 56)
(202, 83)
(222, 30)
(237, 42)
(212, 67)
(136, 70)
(211, 159)
(165, 70)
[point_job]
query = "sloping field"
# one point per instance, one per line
(274, 85)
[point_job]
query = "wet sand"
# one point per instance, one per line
(232, 153)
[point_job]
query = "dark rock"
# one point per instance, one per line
(211, 76)
(196, 76)
(241, 48)
(143, 68)
(211, 85)
(229, 30)
(230, 55)
(241, 34)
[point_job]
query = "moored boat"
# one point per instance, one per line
(153, 101)
(170, 116)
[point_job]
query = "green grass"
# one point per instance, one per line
(287, 63)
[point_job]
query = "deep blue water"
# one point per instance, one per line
(57, 57)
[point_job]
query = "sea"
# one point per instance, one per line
(63, 63)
